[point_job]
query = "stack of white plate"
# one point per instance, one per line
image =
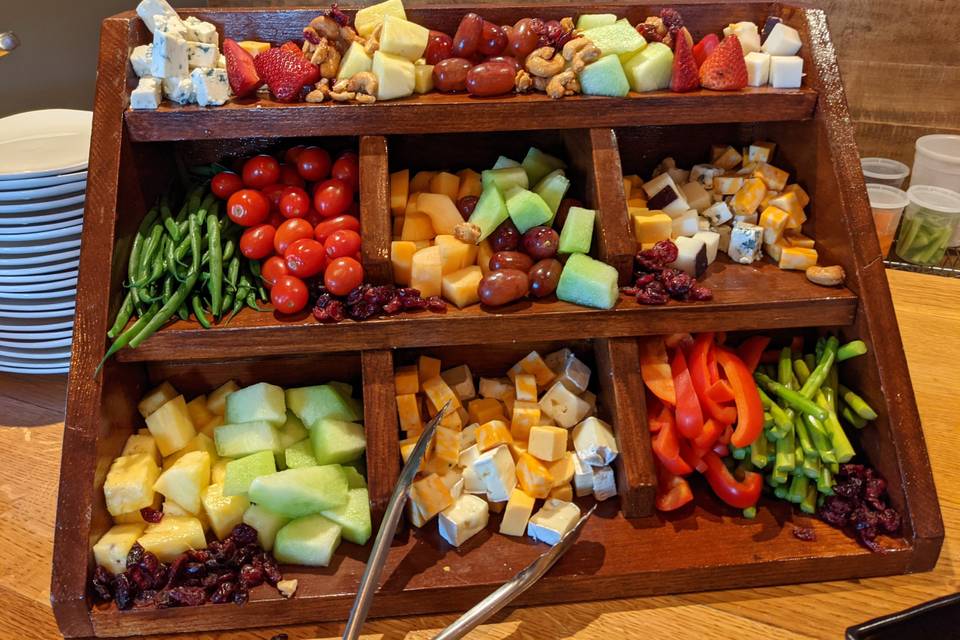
(43, 181)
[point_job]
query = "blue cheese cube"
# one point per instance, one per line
(141, 58)
(146, 95)
(150, 10)
(746, 243)
(201, 54)
(211, 86)
(171, 25)
(200, 31)
(170, 58)
(180, 90)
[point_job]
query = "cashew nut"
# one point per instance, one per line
(522, 81)
(364, 85)
(325, 26)
(327, 57)
(340, 93)
(467, 232)
(321, 91)
(585, 56)
(563, 84)
(826, 276)
(540, 84)
(573, 46)
(544, 62)
(372, 45)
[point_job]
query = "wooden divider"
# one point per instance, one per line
(615, 240)
(375, 220)
(380, 422)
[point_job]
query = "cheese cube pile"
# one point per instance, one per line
(506, 443)
(183, 63)
(738, 203)
(775, 60)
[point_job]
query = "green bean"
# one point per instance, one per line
(784, 372)
(165, 312)
(820, 437)
(811, 361)
(229, 249)
(786, 453)
(215, 285)
(798, 488)
(801, 370)
(192, 203)
(123, 316)
(791, 398)
(852, 418)
(781, 420)
(237, 303)
(167, 288)
(127, 336)
(167, 218)
(198, 311)
(760, 452)
(819, 375)
(233, 271)
(252, 302)
(809, 502)
(852, 349)
(780, 491)
(857, 404)
(171, 261)
(841, 444)
(811, 467)
(133, 262)
(825, 480)
(803, 436)
(151, 246)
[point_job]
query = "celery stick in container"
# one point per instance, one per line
(929, 221)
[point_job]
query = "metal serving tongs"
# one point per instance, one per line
(381, 547)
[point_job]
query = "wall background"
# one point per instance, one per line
(899, 60)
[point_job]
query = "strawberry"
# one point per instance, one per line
(705, 47)
(724, 69)
(241, 71)
(684, 76)
(285, 72)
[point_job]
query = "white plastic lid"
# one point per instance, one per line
(935, 198)
(940, 146)
(884, 168)
(886, 197)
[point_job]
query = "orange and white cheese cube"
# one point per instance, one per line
(497, 388)
(797, 258)
(518, 511)
(525, 385)
(447, 445)
(525, 415)
(774, 221)
(438, 393)
(748, 198)
(431, 496)
(535, 365)
(534, 477)
(773, 177)
(493, 434)
(790, 203)
(481, 410)
(406, 380)
(408, 408)
(460, 380)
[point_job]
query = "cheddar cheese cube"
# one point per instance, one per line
(773, 177)
(561, 492)
(525, 415)
(534, 477)
(652, 228)
(408, 409)
(748, 198)
(525, 386)
(482, 410)
(535, 365)
(439, 393)
(636, 203)
(798, 191)
(450, 420)
(406, 380)
(431, 496)
(447, 445)
(493, 434)
(401, 258)
(797, 258)
(548, 443)
(774, 222)
(427, 368)
(517, 513)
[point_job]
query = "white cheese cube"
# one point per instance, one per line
(703, 224)
(604, 483)
(221, 61)
(718, 213)
(724, 233)
(495, 468)
(679, 176)
(146, 95)
(150, 10)
(657, 184)
(570, 370)
(746, 243)
(696, 196)
(748, 219)
(691, 257)
(747, 33)
(704, 174)
(202, 54)
(711, 240)
(678, 206)
(211, 85)
(454, 481)
(141, 58)
(180, 90)
(758, 68)
(460, 381)
(468, 436)
(465, 518)
(169, 55)
(582, 477)
(471, 481)
(594, 442)
(684, 224)
(554, 519)
(782, 41)
(563, 406)
(786, 72)
(200, 31)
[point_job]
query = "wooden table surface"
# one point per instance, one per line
(928, 309)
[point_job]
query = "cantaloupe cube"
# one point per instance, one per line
(525, 415)
(484, 253)
(446, 184)
(397, 227)
(438, 392)
(129, 483)
(493, 434)
(461, 287)
(408, 410)
(200, 414)
(421, 181)
(156, 398)
(442, 210)
(534, 477)
(217, 401)
(224, 512)
(446, 444)
(455, 253)
(172, 536)
(525, 385)
(417, 227)
(470, 184)
(483, 410)
(406, 379)
(401, 257)
(212, 424)
(412, 203)
(399, 191)
(112, 548)
(426, 273)
(141, 443)
(427, 369)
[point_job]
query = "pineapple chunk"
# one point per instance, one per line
(199, 413)
(112, 548)
(401, 257)
(217, 401)
(368, 19)
(129, 483)
(218, 471)
(461, 287)
(470, 184)
(266, 522)
(171, 508)
(136, 517)
(208, 428)
(185, 480)
(171, 427)
(406, 380)
(200, 442)
(399, 191)
(446, 184)
(225, 512)
(422, 78)
(138, 443)
(172, 536)
(156, 399)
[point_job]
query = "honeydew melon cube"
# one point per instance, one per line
(650, 69)
(129, 483)
(172, 536)
(490, 212)
(112, 548)
(241, 472)
(527, 209)
(403, 38)
(299, 492)
(261, 401)
(266, 522)
(300, 454)
(336, 441)
(355, 60)
(577, 233)
(244, 438)
(353, 516)
(588, 282)
(605, 77)
(460, 287)
(538, 164)
(503, 162)
(355, 479)
(314, 403)
(310, 541)
(170, 426)
(592, 20)
(615, 39)
(292, 431)
(505, 178)
(184, 481)
(369, 18)
(396, 76)
(552, 187)
(224, 512)
(423, 78)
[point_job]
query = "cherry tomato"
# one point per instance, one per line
(327, 227)
(257, 242)
(347, 168)
(275, 219)
(342, 276)
(274, 193)
(294, 203)
(313, 164)
(248, 207)
(290, 230)
(225, 184)
(343, 242)
(305, 258)
(332, 198)
(272, 269)
(289, 176)
(290, 155)
(261, 171)
(289, 294)
(313, 217)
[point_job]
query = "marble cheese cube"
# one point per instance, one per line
(150, 10)
(147, 95)
(169, 55)
(786, 72)
(749, 197)
(202, 54)
(200, 31)
(746, 242)
(711, 241)
(179, 90)
(797, 258)
(774, 222)
(211, 86)
(718, 213)
(782, 40)
(554, 519)
(760, 152)
(758, 68)
(141, 58)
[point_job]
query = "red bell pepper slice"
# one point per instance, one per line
(746, 396)
(700, 375)
(720, 392)
(712, 365)
(666, 446)
(663, 415)
(736, 493)
(721, 450)
(655, 369)
(689, 415)
(724, 438)
(751, 350)
(708, 437)
(771, 356)
(672, 491)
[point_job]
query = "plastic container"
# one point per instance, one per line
(884, 171)
(937, 163)
(887, 204)
(929, 222)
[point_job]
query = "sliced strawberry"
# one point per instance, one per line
(286, 72)
(684, 76)
(241, 71)
(724, 69)
(705, 47)
(292, 47)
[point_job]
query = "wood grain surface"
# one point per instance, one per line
(928, 309)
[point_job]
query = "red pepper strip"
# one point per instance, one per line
(724, 438)
(721, 337)
(751, 350)
(672, 491)
(700, 375)
(666, 446)
(745, 394)
(674, 340)
(720, 392)
(691, 456)
(721, 450)
(657, 420)
(655, 369)
(708, 437)
(736, 493)
(689, 415)
(712, 366)
(770, 357)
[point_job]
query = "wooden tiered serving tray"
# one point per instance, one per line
(627, 550)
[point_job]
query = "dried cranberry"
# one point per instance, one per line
(665, 251)
(250, 576)
(677, 283)
(333, 312)
(151, 515)
(145, 599)
(700, 293)
(413, 303)
(188, 596)
(124, 591)
(223, 593)
(362, 310)
(806, 534)
(357, 294)
(271, 571)
(240, 596)
(653, 293)
(393, 307)
(436, 304)
(102, 584)
(649, 32)
(672, 19)
(629, 291)
(163, 600)
(135, 555)
(198, 555)
(647, 263)
(243, 534)
(341, 18)
(889, 520)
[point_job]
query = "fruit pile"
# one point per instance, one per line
(286, 463)
(508, 247)
(480, 460)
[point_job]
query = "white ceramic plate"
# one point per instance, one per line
(32, 247)
(34, 325)
(29, 259)
(53, 303)
(42, 193)
(44, 143)
(42, 353)
(47, 181)
(7, 236)
(43, 343)
(47, 284)
(43, 205)
(42, 371)
(9, 297)
(28, 229)
(38, 275)
(58, 334)
(73, 215)
(69, 312)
